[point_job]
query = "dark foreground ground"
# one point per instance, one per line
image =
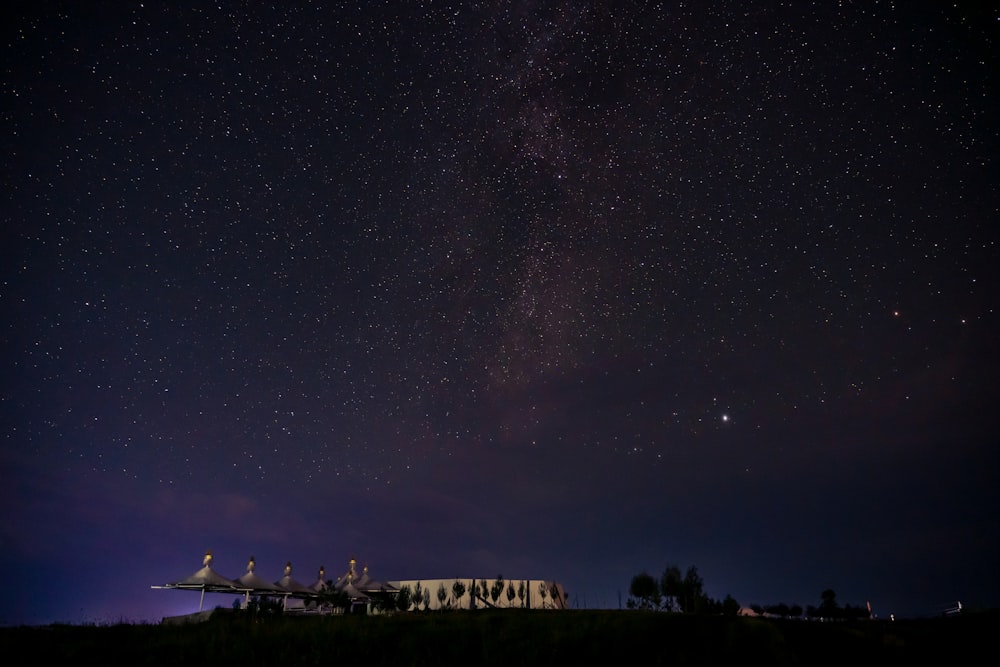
(510, 638)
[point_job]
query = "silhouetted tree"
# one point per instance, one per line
(457, 590)
(694, 599)
(543, 592)
(828, 608)
(511, 593)
(711, 606)
(644, 592)
(497, 589)
(263, 606)
(854, 612)
(781, 609)
(671, 587)
(418, 596)
(730, 607)
(442, 595)
(334, 597)
(520, 592)
(383, 601)
(404, 598)
(559, 597)
(473, 593)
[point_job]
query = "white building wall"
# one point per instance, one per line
(555, 597)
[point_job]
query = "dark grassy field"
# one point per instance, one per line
(509, 638)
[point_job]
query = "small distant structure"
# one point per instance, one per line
(952, 610)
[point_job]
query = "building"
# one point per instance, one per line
(355, 592)
(512, 593)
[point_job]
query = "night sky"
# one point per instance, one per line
(552, 290)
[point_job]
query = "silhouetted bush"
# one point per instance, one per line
(506, 637)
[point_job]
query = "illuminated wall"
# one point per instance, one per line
(554, 596)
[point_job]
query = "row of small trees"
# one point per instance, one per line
(783, 610)
(479, 591)
(673, 592)
(828, 608)
(420, 598)
(676, 592)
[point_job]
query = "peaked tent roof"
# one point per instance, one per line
(289, 585)
(255, 582)
(369, 585)
(357, 587)
(348, 577)
(353, 593)
(206, 579)
(320, 584)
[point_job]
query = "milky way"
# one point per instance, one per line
(562, 290)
